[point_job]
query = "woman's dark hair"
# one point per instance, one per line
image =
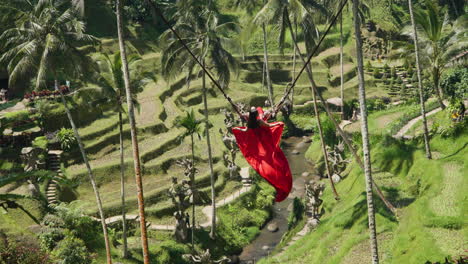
(252, 122)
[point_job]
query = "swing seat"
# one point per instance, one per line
(260, 147)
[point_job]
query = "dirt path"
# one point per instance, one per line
(412, 122)
(206, 210)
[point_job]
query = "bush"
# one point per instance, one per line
(67, 139)
(168, 252)
(328, 130)
(40, 142)
(296, 214)
(22, 253)
(455, 83)
(72, 250)
(72, 222)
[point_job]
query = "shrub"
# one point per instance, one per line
(22, 253)
(40, 142)
(72, 250)
(328, 130)
(296, 214)
(168, 252)
(49, 237)
(455, 83)
(67, 138)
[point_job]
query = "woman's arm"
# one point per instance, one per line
(240, 129)
(265, 124)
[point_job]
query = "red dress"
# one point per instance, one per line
(260, 147)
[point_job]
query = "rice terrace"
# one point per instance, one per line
(233, 131)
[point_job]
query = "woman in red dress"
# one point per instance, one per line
(259, 143)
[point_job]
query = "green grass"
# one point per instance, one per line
(429, 195)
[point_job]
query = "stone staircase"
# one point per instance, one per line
(53, 164)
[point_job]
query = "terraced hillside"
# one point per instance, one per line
(161, 102)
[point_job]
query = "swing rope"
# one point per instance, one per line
(291, 86)
(275, 108)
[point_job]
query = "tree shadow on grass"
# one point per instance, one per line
(456, 151)
(360, 209)
(393, 195)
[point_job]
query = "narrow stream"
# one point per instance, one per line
(267, 241)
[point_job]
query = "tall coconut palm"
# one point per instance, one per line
(44, 44)
(341, 68)
(250, 6)
(440, 41)
(343, 135)
(420, 87)
(43, 31)
(192, 128)
(277, 11)
(207, 38)
(133, 133)
(113, 88)
(365, 136)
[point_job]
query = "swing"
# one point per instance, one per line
(260, 145)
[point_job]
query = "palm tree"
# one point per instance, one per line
(365, 136)
(440, 42)
(207, 38)
(341, 68)
(133, 132)
(278, 11)
(42, 31)
(192, 128)
(250, 6)
(90, 172)
(45, 42)
(113, 88)
(418, 69)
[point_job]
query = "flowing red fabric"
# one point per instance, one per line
(260, 147)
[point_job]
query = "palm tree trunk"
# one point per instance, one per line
(122, 186)
(90, 174)
(133, 132)
(342, 133)
(365, 137)
(267, 68)
(341, 68)
(418, 69)
(317, 116)
(436, 81)
(294, 66)
(210, 158)
(192, 186)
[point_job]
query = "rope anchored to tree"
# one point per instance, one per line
(275, 108)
